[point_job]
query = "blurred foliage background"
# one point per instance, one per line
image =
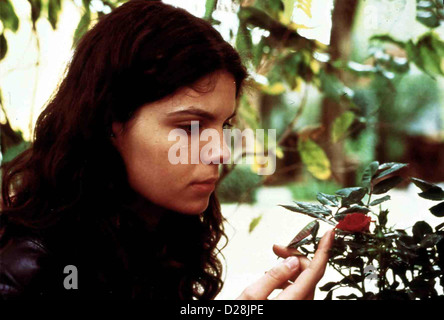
(343, 82)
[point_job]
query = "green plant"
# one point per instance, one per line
(405, 266)
(240, 186)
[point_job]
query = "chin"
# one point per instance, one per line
(194, 209)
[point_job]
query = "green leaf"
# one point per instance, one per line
(292, 68)
(254, 223)
(272, 7)
(258, 52)
(428, 19)
(244, 42)
(247, 113)
(430, 240)
(434, 193)
(439, 226)
(328, 286)
(355, 209)
(413, 54)
(420, 230)
(369, 173)
(389, 39)
(427, 54)
(329, 296)
(437, 44)
(305, 232)
(82, 27)
(351, 195)
(288, 11)
(327, 199)
(307, 212)
(387, 184)
(341, 125)
(438, 210)
(421, 184)
(380, 200)
(346, 192)
(314, 232)
(352, 209)
(210, 6)
(430, 59)
(428, 12)
(8, 16)
(386, 169)
(348, 297)
(332, 87)
(314, 157)
(382, 217)
(36, 9)
(280, 33)
(54, 8)
(3, 46)
(310, 207)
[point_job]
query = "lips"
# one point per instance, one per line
(207, 181)
(205, 186)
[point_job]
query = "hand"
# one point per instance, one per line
(305, 274)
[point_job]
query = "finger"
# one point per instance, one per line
(305, 284)
(285, 285)
(272, 280)
(285, 252)
(305, 262)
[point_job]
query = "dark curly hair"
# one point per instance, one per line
(73, 177)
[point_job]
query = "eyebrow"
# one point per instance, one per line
(198, 112)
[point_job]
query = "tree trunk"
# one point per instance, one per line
(340, 48)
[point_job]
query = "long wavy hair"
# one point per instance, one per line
(141, 52)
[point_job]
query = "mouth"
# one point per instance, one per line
(205, 186)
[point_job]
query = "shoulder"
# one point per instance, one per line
(21, 262)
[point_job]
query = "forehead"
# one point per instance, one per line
(214, 94)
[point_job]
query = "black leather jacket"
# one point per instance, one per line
(21, 262)
(110, 265)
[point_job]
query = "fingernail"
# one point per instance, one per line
(292, 262)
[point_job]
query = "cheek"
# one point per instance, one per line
(151, 174)
(148, 167)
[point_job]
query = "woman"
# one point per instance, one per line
(94, 209)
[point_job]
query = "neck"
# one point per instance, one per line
(150, 212)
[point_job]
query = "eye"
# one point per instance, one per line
(227, 125)
(188, 127)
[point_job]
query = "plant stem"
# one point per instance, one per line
(342, 274)
(369, 197)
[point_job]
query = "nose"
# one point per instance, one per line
(219, 151)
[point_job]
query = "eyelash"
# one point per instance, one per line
(187, 128)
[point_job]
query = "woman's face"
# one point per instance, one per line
(144, 146)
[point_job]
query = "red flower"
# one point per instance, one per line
(354, 222)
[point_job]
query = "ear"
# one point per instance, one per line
(116, 132)
(116, 128)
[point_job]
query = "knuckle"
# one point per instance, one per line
(276, 274)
